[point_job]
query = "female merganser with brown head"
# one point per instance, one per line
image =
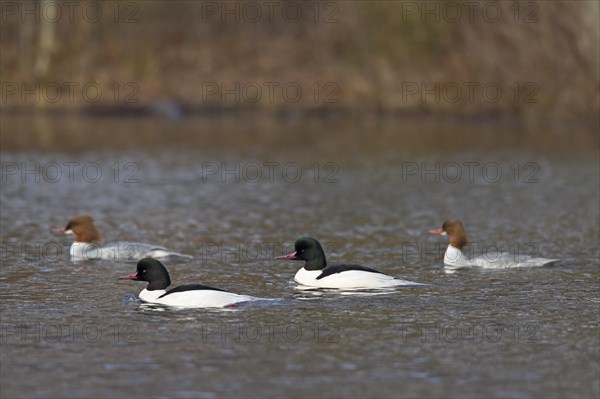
(454, 258)
(88, 245)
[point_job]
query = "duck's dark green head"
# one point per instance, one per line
(309, 250)
(153, 272)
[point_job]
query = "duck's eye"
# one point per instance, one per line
(144, 271)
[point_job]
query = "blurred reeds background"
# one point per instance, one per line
(359, 55)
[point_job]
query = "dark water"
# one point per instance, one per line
(236, 193)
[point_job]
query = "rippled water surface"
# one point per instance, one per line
(237, 193)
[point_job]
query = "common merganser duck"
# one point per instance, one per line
(184, 296)
(316, 273)
(87, 245)
(454, 258)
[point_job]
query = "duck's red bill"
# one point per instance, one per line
(58, 230)
(437, 231)
(130, 277)
(292, 256)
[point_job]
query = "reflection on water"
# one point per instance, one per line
(312, 292)
(74, 330)
(342, 136)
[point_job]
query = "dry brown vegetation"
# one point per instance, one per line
(357, 55)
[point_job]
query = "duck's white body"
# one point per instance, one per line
(349, 279)
(317, 274)
(454, 258)
(205, 298)
(122, 252)
(184, 296)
